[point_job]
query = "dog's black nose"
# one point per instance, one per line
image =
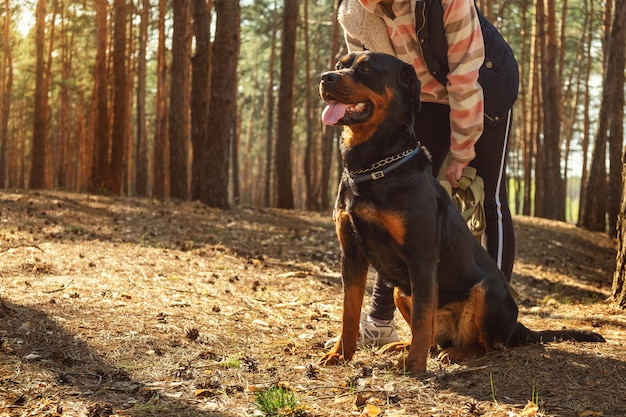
(329, 77)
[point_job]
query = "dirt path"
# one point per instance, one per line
(115, 306)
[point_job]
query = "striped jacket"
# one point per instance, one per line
(366, 26)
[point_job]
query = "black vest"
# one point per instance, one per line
(499, 74)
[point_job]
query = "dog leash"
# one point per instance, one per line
(373, 172)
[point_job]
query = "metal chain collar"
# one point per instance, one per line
(382, 162)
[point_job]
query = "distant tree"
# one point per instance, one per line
(120, 99)
(142, 145)
(285, 106)
(6, 85)
(101, 146)
(40, 124)
(222, 115)
(599, 200)
(553, 192)
(160, 181)
(269, 136)
(179, 101)
(200, 87)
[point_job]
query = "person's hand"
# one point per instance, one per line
(454, 172)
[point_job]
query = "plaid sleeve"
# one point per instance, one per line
(465, 57)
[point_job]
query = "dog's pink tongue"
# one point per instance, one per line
(333, 113)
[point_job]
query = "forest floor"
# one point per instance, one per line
(136, 307)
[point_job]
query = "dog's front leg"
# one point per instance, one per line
(354, 269)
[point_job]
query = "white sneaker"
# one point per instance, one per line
(372, 333)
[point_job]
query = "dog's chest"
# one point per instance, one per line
(375, 226)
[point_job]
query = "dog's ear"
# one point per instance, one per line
(409, 81)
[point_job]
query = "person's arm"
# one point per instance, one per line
(465, 57)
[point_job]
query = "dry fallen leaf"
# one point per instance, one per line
(530, 410)
(370, 410)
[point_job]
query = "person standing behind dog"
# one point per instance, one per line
(449, 44)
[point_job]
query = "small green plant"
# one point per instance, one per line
(534, 395)
(278, 401)
(493, 389)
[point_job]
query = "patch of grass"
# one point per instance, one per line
(231, 362)
(278, 401)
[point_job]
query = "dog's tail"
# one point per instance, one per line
(523, 336)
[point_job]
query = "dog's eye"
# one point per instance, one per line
(365, 68)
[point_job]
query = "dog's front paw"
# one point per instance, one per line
(332, 358)
(395, 347)
(408, 366)
(457, 354)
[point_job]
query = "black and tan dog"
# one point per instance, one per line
(392, 214)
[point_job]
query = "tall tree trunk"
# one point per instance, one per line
(142, 145)
(536, 121)
(40, 124)
(269, 144)
(200, 88)
(553, 192)
(285, 106)
(101, 146)
(160, 180)
(589, 12)
(179, 101)
(615, 82)
(596, 194)
(222, 115)
(6, 86)
(50, 166)
(120, 99)
(66, 175)
(310, 168)
(615, 75)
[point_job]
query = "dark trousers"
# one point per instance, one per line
(433, 130)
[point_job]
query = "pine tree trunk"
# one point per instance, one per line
(120, 99)
(554, 187)
(6, 85)
(269, 141)
(160, 180)
(285, 107)
(179, 101)
(100, 151)
(222, 115)
(200, 87)
(40, 129)
(142, 145)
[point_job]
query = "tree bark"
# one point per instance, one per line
(37, 178)
(269, 104)
(222, 117)
(101, 136)
(179, 103)
(6, 85)
(160, 181)
(284, 197)
(141, 185)
(615, 75)
(200, 87)
(554, 187)
(120, 99)
(597, 188)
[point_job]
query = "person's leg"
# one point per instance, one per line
(491, 152)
